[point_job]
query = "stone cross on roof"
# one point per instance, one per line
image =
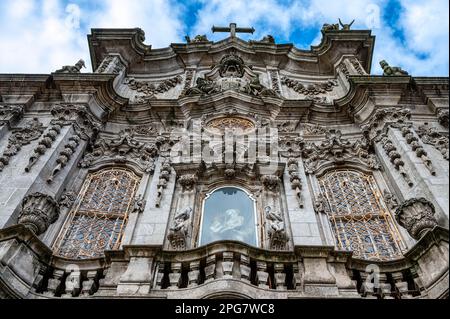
(232, 29)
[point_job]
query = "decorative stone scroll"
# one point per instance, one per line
(110, 64)
(32, 130)
(38, 212)
(179, 231)
(416, 215)
(276, 229)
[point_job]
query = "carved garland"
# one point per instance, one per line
(431, 136)
(413, 142)
(149, 89)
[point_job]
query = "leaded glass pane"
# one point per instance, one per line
(98, 221)
(360, 221)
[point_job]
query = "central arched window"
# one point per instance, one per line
(98, 221)
(360, 221)
(228, 214)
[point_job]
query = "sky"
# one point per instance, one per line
(39, 36)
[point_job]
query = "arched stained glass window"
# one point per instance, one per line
(360, 221)
(228, 214)
(100, 215)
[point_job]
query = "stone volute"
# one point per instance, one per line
(416, 215)
(38, 212)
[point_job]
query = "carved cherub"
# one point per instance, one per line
(346, 27)
(72, 68)
(391, 70)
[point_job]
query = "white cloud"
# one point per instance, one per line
(39, 36)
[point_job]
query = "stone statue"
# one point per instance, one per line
(72, 68)
(266, 39)
(179, 230)
(197, 39)
(330, 27)
(138, 204)
(391, 70)
(346, 27)
(276, 229)
(203, 86)
(254, 87)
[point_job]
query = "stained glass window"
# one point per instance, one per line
(228, 214)
(100, 215)
(360, 221)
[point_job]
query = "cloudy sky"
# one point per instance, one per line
(39, 36)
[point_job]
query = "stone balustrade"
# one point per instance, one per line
(150, 272)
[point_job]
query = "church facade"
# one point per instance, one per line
(229, 169)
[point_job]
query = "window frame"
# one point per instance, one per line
(255, 214)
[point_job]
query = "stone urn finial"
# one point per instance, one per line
(416, 215)
(38, 212)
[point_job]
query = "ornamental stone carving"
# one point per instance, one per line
(335, 149)
(396, 159)
(82, 120)
(295, 180)
(122, 149)
(72, 68)
(430, 136)
(44, 143)
(188, 181)
(416, 147)
(270, 182)
(20, 137)
(67, 199)
(38, 212)
(276, 229)
(164, 177)
(233, 123)
(65, 156)
(442, 115)
(148, 90)
(179, 231)
(311, 89)
(390, 200)
(7, 112)
(138, 204)
(392, 70)
(416, 215)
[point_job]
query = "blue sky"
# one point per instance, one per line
(39, 36)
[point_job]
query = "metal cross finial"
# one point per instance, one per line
(232, 29)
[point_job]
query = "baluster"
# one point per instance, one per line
(401, 285)
(385, 288)
(227, 264)
(194, 273)
(280, 277)
(160, 276)
(210, 269)
(175, 276)
(89, 286)
(54, 283)
(262, 276)
(297, 278)
(73, 284)
(245, 268)
(368, 289)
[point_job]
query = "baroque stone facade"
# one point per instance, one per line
(224, 169)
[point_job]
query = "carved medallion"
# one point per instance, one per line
(236, 124)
